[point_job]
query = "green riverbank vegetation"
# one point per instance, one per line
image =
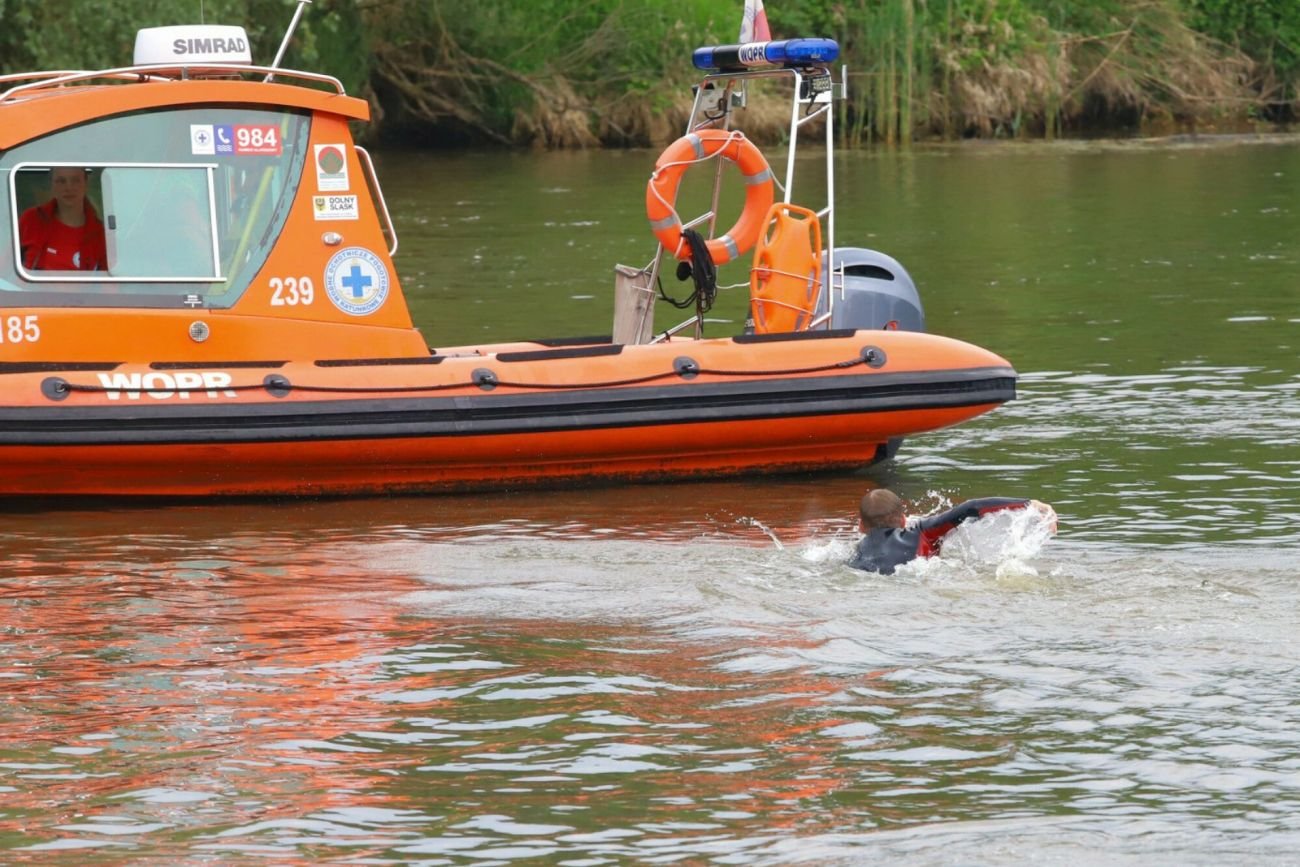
(582, 73)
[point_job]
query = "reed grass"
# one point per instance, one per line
(579, 73)
(1012, 68)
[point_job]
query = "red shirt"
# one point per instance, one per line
(51, 245)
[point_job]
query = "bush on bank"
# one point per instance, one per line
(577, 73)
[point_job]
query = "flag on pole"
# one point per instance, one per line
(753, 24)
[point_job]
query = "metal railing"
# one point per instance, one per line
(722, 101)
(155, 73)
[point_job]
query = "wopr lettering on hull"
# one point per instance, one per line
(165, 386)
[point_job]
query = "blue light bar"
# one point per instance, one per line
(782, 52)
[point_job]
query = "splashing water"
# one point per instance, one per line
(766, 530)
(1002, 542)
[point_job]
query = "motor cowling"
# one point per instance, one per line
(877, 292)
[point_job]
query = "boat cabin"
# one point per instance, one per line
(210, 186)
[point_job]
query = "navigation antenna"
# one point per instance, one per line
(288, 34)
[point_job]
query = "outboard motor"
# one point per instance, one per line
(878, 293)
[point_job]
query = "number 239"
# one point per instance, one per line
(292, 291)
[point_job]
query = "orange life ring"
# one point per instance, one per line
(661, 192)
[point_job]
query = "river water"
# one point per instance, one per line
(689, 673)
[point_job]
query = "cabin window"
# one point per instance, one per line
(176, 207)
(155, 223)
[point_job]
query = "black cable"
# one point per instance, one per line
(702, 270)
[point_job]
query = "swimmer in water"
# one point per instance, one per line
(889, 542)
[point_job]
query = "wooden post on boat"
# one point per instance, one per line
(634, 301)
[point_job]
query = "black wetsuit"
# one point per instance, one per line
(884, 549)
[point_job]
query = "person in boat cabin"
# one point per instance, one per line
(889, 541)
(65, 233)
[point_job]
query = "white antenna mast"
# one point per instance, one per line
(288, 34)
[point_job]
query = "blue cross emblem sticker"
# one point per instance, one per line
(356, 280)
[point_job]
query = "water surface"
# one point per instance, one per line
(688, 673)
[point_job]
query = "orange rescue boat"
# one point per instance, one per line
(198, 298)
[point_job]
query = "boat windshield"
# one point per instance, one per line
(150, 209)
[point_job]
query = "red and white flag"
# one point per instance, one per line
(753, 25)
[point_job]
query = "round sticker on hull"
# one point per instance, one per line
(356, 281)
